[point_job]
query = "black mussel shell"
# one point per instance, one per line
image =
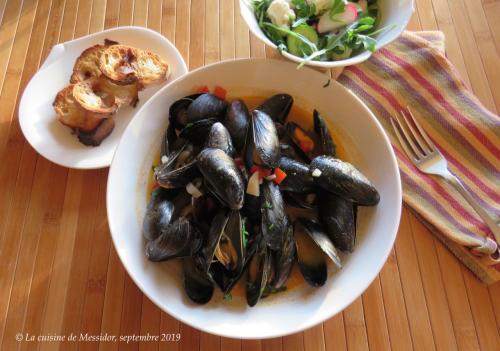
(224, 176)
(298, 178)
(158, 214)
(178, 177)
(321, 239)
(284, 260)
(236, 121)
(212, 240)
(219, 138)
(327, 147)
(263, 140)
(251, 208)
(198, 286)
(204, 208)
(274, 219)
(206, 106)
(310, 257)
(258, 271)
(343, 179)
(197, 132)
(306, 200)
(169, 141)
(179, 239)
(337, 216)
(277, 107)
(177, 113)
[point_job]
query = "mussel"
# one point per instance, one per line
(274, 219)
(179, 239)
(179, 168)
(258, 270)
(206, 106)
(199, 288)
(298, 178)
(311, 242)
(262, 141)
(223, 176)
(197, 132)
(219, 138)
(277, 107)
(283, 261)
(177, 113)
(327, 146)
(337, 216)
(236, 121)
(343, 179)
(158, 214)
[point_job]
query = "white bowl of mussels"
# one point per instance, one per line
(249, 199)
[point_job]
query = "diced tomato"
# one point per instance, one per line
(280, 175)
(263, 172)
(254, 169)
(307, 145)
(203, 89)
(220, 92)
(238, 161)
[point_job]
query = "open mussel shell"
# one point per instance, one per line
(177, 113)
(223, 175)
(236, 121)
(199, 288)
(310, 258)
(306, 200)
(291, 140)
(219, 138)
(338, 219)
(158, 214)
(262, 142)
(197, 132)
(169, 141)
(206, 106)
(277, 107)
(343, 179)
(298, 178)
(179, 239)
(284, 260)
(258, 271)
(327, 146)
(178, 177)
(321, 239)
(274, 219)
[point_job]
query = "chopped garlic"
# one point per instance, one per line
(164, 159)
(316, 173)
(193, 190)
(280, 13)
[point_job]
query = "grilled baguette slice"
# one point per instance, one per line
(72, 114)
(125, 65)
(98, 134)
(124, 94)
(87, 64)
(92, 98)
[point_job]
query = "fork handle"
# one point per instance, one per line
(490, 222)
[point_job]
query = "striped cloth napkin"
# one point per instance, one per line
(414, 71)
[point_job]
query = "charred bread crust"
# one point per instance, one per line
(98, 134)
(116, 64)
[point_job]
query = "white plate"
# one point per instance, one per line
(301, 307)
(393, 13)
(37, 118)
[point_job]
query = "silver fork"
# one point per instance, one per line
(427, 158)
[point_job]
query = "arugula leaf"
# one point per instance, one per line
(303, 9)
(368, 42)
(302, 38)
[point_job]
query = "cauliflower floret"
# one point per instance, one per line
(321, 5)
(280, 13)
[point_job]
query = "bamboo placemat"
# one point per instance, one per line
(59, 273)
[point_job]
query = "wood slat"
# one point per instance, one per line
(62, 274)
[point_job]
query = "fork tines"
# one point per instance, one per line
(412, 136)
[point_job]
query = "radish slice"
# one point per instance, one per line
(328, 24)
(253, 185)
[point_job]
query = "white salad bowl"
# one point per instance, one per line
(394, 14)
(37, 117)
(301, 307)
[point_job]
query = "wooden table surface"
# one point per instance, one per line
(59, 273)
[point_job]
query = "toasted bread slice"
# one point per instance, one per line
(87, 64)
(150, 68)
(89, 95)
(72, 114)
(98, 134)
(124, 94)
(124, 65)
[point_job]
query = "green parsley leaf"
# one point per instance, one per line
(228, 297)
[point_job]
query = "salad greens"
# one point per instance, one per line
(321, 30)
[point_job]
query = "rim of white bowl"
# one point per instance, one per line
(305, 326)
